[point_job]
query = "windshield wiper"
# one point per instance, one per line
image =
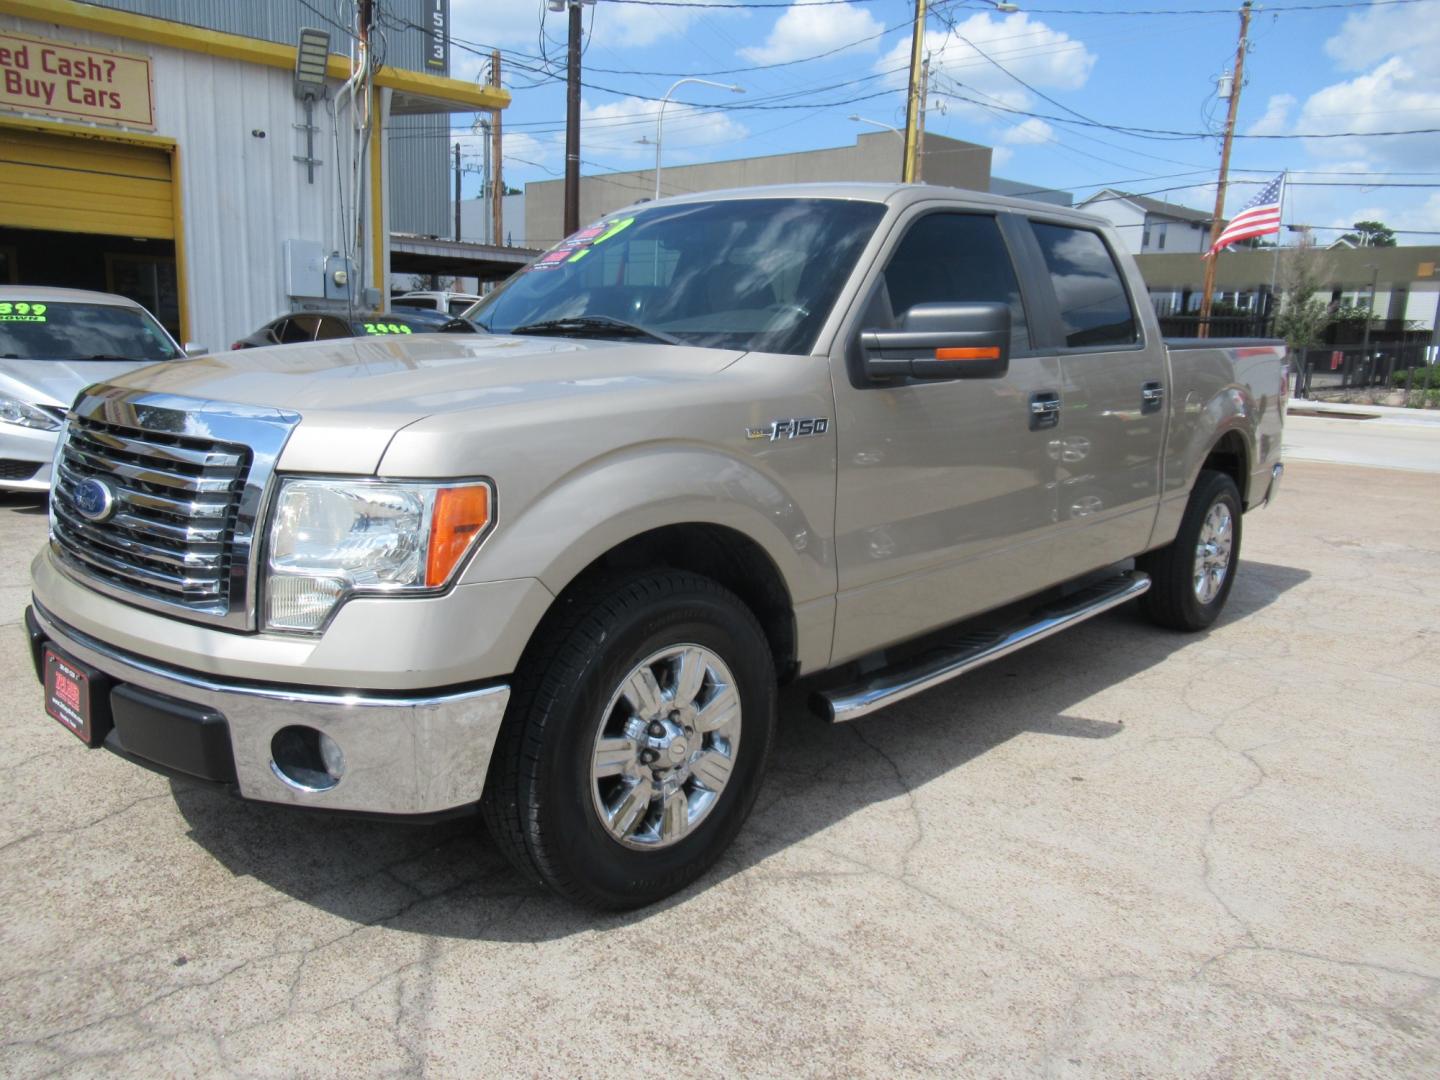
(595, 326)
(110, 356)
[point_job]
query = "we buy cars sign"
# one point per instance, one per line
(55, 79)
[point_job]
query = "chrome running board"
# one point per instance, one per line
(896, 684)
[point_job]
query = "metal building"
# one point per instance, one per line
(157, 158)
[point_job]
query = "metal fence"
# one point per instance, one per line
(1345, 366)
(1221, 326)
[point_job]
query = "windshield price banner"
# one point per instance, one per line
(55, 79)
(577, 245)
(22, 312)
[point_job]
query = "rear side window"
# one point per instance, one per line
(955, 258)
(1094, 307)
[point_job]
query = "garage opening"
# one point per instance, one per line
(88, 213)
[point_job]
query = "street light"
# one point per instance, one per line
(876, 123)
(660, 120)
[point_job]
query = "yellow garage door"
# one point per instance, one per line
(85, 185)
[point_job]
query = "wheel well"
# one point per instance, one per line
(1229, 457)
(721, 554)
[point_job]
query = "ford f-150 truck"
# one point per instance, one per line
(709, 445)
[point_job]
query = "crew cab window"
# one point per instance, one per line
(1094, 307)
(955, 258)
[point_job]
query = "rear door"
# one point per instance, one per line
(945, 499)
(1111, 428)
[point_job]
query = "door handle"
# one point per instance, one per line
(1044, 410)
(1152, 396)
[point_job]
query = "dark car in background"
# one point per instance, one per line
(300, 326)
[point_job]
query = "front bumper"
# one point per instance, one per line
(405, 752)
(25, 458)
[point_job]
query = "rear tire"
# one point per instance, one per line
(1190, 579)
(638, 731)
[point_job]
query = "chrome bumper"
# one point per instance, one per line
(410, 754)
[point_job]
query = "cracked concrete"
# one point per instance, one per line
(1123, 852)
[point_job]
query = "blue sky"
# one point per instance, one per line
(1350, 67)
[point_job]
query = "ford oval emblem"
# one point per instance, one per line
(94, 499)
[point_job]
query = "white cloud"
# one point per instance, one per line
(1000, 156)
(610, 133)
(805, 31)
(1029, 132)
(1379, 32)
(1277, 116)
(1040, 55)
(1392, 97)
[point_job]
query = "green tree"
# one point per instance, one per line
(1304, 311)
(1371, 234)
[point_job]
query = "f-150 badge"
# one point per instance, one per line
(794, 427)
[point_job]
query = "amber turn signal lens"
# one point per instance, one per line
(461, 514)
(989, 353)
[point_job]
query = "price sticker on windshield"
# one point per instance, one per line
(22, 311)
(577, 245)
(387, 328)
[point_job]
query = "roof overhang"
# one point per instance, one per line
(414, 91)
(428, 255)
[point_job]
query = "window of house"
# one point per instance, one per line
(1094, 306)
(1160, 237)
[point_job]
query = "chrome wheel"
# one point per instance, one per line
(1212, 552)
(666, 747)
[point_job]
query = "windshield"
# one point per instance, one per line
(756, 274)
(57, 330)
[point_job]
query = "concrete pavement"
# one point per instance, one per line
(1373, 435)
(1122, 852)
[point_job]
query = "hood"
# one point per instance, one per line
(353, 395)
(58, 382)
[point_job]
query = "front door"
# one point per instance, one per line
(945, 497)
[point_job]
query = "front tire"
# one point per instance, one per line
(1190, 579)
(637, 735)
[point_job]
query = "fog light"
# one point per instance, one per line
(306, 759)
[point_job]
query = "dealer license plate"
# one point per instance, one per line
(67, 695)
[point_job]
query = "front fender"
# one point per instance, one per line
(607, 501)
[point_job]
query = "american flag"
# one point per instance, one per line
(1260, 216)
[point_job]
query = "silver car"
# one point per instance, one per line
(53, 344)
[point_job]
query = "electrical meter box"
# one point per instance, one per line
(304, 269)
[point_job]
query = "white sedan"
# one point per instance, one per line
(53, 344)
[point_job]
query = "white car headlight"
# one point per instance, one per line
(331, 539)
(15, 411)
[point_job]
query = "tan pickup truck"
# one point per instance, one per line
(709, 445)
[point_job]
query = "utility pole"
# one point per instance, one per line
(1203, 330)
(497, 193)
(913, 104)
(457, 191)
(920, 130)
(1374, 269)
(572, 123)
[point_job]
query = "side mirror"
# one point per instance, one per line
(941, 341)
(192, 349)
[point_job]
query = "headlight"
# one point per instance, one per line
(15, 411)
(335, 538)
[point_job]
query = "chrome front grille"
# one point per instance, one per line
(170, 535)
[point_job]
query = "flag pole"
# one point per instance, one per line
(1213, 256)
(1275, 264)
